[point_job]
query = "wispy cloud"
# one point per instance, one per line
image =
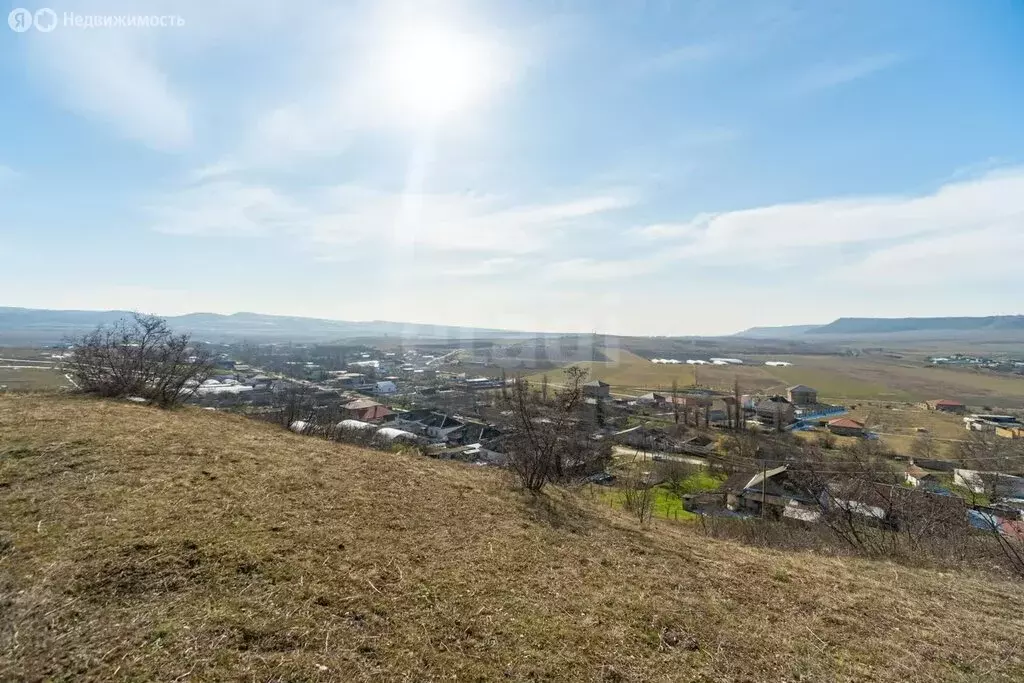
(137, 81)
(113, 77)
(347, 215)
(867, 235)
(831, 74)
(682, 56)
(593, 270)
(657, 231)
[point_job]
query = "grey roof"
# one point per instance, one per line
(802, 387)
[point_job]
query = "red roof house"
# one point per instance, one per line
(948, 406)
(844, 426)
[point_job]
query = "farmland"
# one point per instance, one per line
(29, 369)
(838, 378)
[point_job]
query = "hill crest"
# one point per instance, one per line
(139, 544)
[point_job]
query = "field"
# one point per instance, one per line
(31, 378)
(898, 425)
(26, 368)
(137, 544)
(841, 379)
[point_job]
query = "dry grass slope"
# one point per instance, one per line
(140, 545)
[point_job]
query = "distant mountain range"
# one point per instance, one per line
(995, 326)
(41, 326)
(31, 326)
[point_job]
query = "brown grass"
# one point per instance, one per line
(139, 545)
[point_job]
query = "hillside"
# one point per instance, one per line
(927, 327)
(777, 332)
(138, 545)
(996, 327)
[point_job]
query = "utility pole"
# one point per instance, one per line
(764, 483)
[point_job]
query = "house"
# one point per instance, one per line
(915, 476)
(365, 410)
(775, 411)
(995, 484)
(802, 395)
(429, 423)
(845, 426)
(652, 398)
(947, 406)
(769, 493)
(385, 387)
(348, 380)
(597, 389)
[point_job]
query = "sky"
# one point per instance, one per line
(658, 167)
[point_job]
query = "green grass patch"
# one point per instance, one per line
(667, 505)
(701, 481)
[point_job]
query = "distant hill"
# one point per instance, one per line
(997, 327)
(42, 326)
(780, 332)
(995, 323)
(142, 545)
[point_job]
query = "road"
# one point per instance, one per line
(627, 452)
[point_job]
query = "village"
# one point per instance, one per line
(428, 400)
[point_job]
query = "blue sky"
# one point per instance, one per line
(640, 167)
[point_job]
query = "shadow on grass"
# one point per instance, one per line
(557, 509)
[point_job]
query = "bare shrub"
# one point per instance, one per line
(139, 356)
(674, 474)
(638, 498)
(550, 439)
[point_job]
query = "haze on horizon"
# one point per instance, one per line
(684, 168)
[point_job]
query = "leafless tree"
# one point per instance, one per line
(675, 473)
(550, 441)
(139, 356)
(924, 446)
(638, 497)
(987, 452)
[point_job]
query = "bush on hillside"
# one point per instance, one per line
(139, 356)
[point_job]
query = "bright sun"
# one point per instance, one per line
(431, 72)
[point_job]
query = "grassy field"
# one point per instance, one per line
(192, 545)
(20, 377)
(898, 425)
(842, 379)
(24, 368)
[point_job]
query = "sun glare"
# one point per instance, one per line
(433, 73)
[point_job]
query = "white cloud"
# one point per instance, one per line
(883, 232)
(593, 270)
(112, 75)
(990, 255)
(658, 231)
(7, 175)
(340, 217)
(227, 207)
(681, 56)
(830, 74)
(135, 79)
